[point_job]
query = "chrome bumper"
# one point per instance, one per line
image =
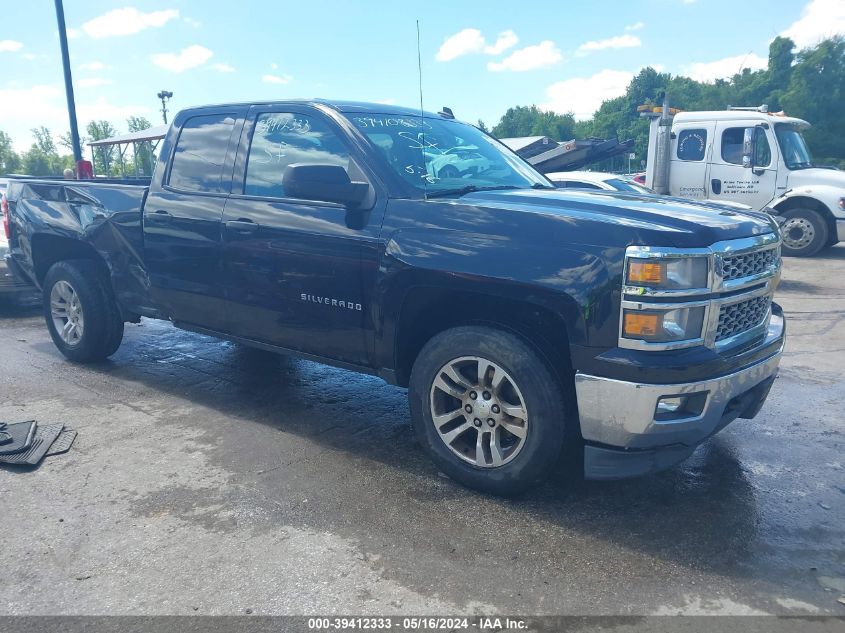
(840, 230)
(623, 415)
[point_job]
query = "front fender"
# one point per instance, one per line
(824, 195)
(572, 282)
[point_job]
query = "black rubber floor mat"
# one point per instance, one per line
(62, 443)
(45, 435)
(23, 433)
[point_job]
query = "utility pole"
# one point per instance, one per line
(164, 95)
(71, 105)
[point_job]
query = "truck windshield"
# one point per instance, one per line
(440, 156)
(792, 146)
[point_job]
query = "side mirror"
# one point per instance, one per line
(749, 141)
(326, 183)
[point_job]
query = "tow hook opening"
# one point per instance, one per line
(680, 407)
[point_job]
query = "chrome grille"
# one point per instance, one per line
(737, 318)
(748, 264)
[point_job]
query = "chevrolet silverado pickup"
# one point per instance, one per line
(523, 319)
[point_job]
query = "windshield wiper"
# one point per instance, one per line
(460, 191)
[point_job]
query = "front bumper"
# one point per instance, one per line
(624, 434)
(840, 230)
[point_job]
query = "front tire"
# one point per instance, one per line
(487, 409)
(81, 313)
(804, 232)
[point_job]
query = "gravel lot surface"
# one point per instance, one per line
(208, 478)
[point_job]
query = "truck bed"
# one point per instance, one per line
(105, 214)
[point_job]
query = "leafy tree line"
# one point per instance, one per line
(44, 157)
(809, 84)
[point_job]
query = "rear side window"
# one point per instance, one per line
(692, 144)
(200, 153)
(282, 139)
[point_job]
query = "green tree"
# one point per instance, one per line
(42, 158)
(9, 160)
(144, 158)
(816, 92)
(809, 84)
(106, 159)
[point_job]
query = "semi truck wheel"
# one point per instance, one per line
(81, 311)
(804, 232)
(487, 409)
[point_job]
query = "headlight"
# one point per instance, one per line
(676, 273)
(663, 326)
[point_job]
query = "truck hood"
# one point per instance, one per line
(627, 218)
(816, 177)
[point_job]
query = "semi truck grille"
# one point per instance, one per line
(748, 264)
(739, 317)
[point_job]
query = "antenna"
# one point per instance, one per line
(422, 116)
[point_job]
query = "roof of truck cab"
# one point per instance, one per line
(737, 115)
(346, 107)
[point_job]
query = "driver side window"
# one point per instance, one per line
(281, 139)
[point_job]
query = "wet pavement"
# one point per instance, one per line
(211, 478)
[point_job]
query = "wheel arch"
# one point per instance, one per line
(47, 250)
(428, 310)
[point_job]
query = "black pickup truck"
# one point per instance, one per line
(522, 318)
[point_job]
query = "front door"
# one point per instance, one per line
(299, 274)
(729, 180)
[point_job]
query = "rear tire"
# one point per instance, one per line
(510, 434)
(81, 312)
(804, 233)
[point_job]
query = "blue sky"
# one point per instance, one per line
(479, 58)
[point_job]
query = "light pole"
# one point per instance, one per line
(71, 105)
(164, 95)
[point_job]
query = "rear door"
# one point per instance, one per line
(729, 180)
(182, 234)
(299, 273)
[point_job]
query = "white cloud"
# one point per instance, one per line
(636, 26)
(819, 19)
(72, 34)
(386, 101)
(187, 58)
(504, 41)
(538, 56)
(276, 79)
(192, 22)
(45, 105)
(127, 21)
(223, 68)
(723, 68)
(93, 82)
(92, 66)
(583, 95)
(461, 43)
(10, 46)
(620, 41)
(274, 66)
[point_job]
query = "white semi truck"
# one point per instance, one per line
(750, 156)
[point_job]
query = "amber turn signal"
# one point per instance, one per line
(646, 272)
(640, 325)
